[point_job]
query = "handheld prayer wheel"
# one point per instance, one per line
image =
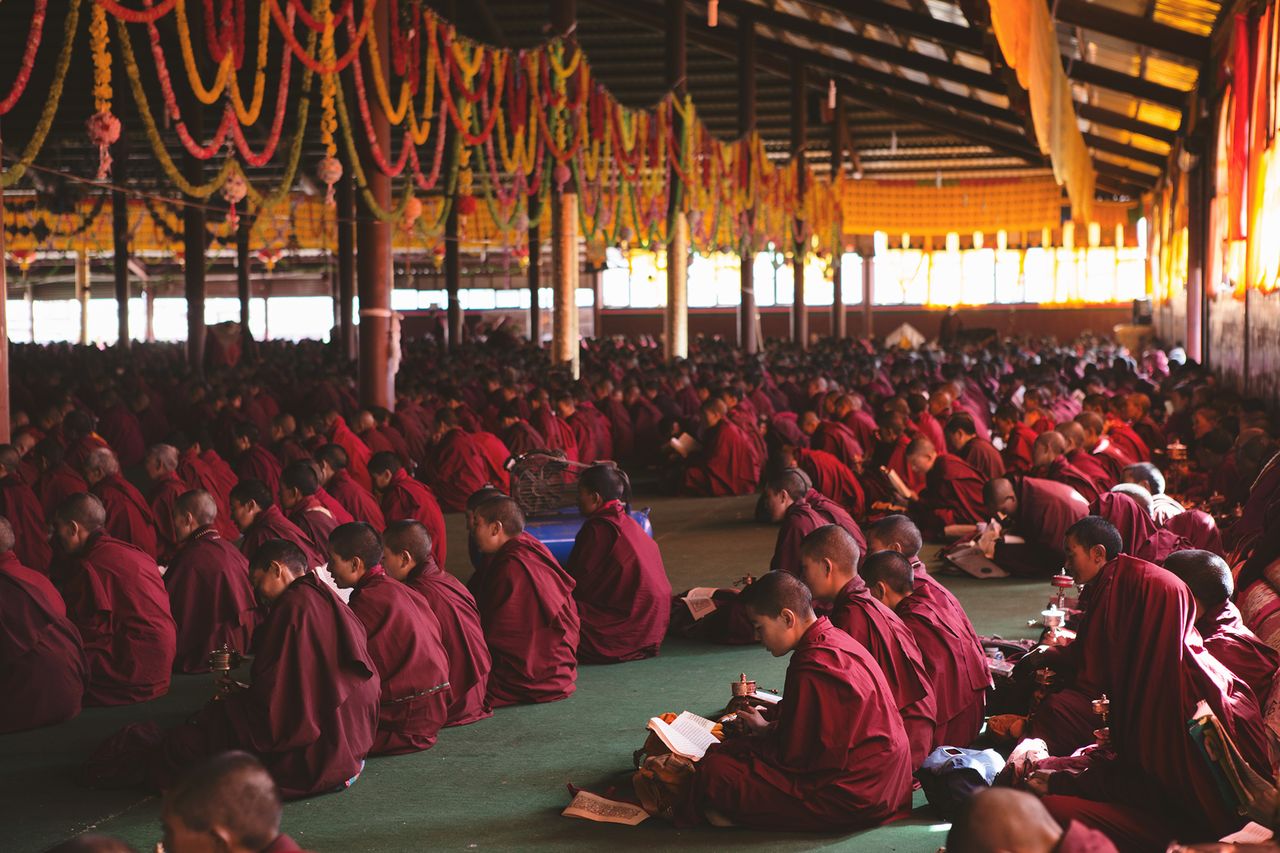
(1176, 453)
(1061, 582)
(221, 661)
(1044, 678)
(1102, 707)
(742, 687)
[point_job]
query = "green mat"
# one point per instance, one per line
(500, 783)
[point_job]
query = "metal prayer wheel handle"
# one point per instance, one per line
(1045, 677)
(1177, 452)
(1102, 707)
(224, 659)
(742, 687)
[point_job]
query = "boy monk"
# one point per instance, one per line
(899, 533)
(260, 520)
(620, 583)
(957, 665)
(950, 504)
(300, 501)
(402, 496)
(404, 642)
(830, 558)
(526, 606)
(835, 757)
(790, 500)
(231, 798)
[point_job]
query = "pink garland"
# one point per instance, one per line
(28, 58)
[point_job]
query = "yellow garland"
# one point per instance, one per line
(555, 49)
(328, 86)
(203, 95)
(469, 67)
(249, 116)
(101, 59)
(41, 133)
(394, 115)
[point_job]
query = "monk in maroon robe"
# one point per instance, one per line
(586, 434)
(357, 500)
(835, 756)
(830, 558)
(365, 426)
(119, 427)
(1033, 517)
(1017, 437)
(253, 461)
(829, 476)
(197, 474)
(791, 502)
(833, 437)
(1141, 537)
(166, 487)
(404, 497)
(1124, 437)
(357, 451)
(208, 584)
(456, 467)
(1050, 463)
(517, 434)
(951, 501)
(497, 454)
(404, 643)
(117, 600)
(406, 556)
(299, 485)
(557, 434)
(609, 403)
(527, 608)
(129, 516)
(1078, 457)
(284, 445)
(1004, 819)
(980, 454)
(956, 664)
(1096, 443)
(19, 504)
(620, 583)
(57, 480)
(899, 533)
(1196, 526)
(725, 464)
(42, 664)
(260, 520)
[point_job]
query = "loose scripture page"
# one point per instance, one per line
(699, 601)
(594, 807)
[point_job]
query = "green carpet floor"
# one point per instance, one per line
(499, 784)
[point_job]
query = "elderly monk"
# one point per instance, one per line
(963, 441)
(406, 555)
(620, 583)
(834, 756)
(830, 558)
(208, 584)
(299, 498)
(950, 504)
(19, 504)
(790, 501)
(527, 608)
(1032, 516)
(404, 642)
(404, 497)
(1225, 636)
(1150, 478)
(253, 461)
(1050, 463)
(57, 480)
(726, 463)
(42, 663)
(456, 465)
(129, 516)
(161, 463)
(357, 500)
(957, 665)
(1000, 819)
(116, 599)
(260, 520)
(310, 712)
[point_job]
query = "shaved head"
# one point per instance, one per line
(1073, 433)
(1048, 446)
(102, 462)
(200, 505)
(1001, 819)
(165, 456)
(1205, 573)
(832, 542)
(409, 536)
(895, 533)
(85, 510)
(7, 539)
(231, 793)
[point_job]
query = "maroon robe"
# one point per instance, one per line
(19, 504)
(406, 498)
(1046, 509)
(1142, 539)
(833, 478)
(620, 426)
(338, 511)
(271, 524)
(724, 466)
(803, 517)
(358, 501)
(982, 456)
(1091, 466)
(129, 517)
(164, 494)
(463, 639)
(258, 463)
(1128, 441)
(287, 451)
(377, 442)
(197, 474)
(411, 661)
(497, 455)
(838, 440)
(1113, 459)
(747, 421)
(117, 600)
(210, 598)
(836, 759)
(520, 438)
(894, 648)
(1017, 448)
(1199, 528)
(557, 434)
(456, 469)
(927, 425)
(42, 663)
(952, 495)
(863, 426)
(1062, 471)
(315, 521)
(586, 436)
(58, 484)
(1239, 650)
(358, 453)
(955, 661)
(530, 622)
(897, 462)
(119, 427)
(621, 587)
(222, 472)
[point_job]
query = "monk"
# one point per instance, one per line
(1050, 463)
(1163, 507)
(1096, 443)
(284, 445)
(358, 453)
(830, 558)
(1004, 819)
(834, 437)
(790, 500)
(404, 643)
(42, 663)
(356, 499)
(527, 608)
(724, 465)
(1077, 456)
(1142, 538)
(593, 443)
(57, 480)
(1031, 517)
(404, 497)
(208, 585)
(950, 505)
(957, 666)
(455, 465)
(835, 756)
(517, 433)
(406, 555)
(18, 503)
(963, 441)
(899, 533)
(129, 516)
(116, 599)
(260, 520)
(1218, 620)
(496, 454)
(366, 429)
(253, 461)
(620, 583)
(299, 484)
(197, 474)
(829, 476)
(1017, 437)
(161, 463)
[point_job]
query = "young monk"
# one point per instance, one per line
(950, 504)
(338, 483)
(231, 798)
(406, 555)
(116, 599)
(404, 643)
(129, 517)
(299, 484)
(1001, 819)
(790, 500)
(208, 584)
(830, 557)
(1034, 512)
(620, 583)
(42, 664)
(956, 665)
(404, 497)
(830, 477)
(726, 464)
(834, 755)
(527, 608)
(962, 440)
(19, 504)
(260, 520)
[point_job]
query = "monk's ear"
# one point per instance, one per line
(788, 617)
(828, 566)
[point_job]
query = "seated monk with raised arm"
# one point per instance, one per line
(790, 500)
(950, 504)
(957, 666)
(404, 642)
(299, 485)
(231, 798)
(830, 557)
(208, 584)
(403, 497)
(527, 608)
(833, 756)
(1032, 516)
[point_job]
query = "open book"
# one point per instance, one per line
(900, 487)
(685, 444)
(688, 736)
(699, 601)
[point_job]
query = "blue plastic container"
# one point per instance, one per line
(558, 531)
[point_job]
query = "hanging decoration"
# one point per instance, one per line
(103, 126)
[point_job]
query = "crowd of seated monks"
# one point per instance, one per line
(149, 516)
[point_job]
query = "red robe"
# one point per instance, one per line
(456, 469)
(1017, 448)
(338, 511)
(956, 664)
(378, 443)
(897, 462)
(497, 455)
(521, 438)
(1091, 467)
(58, 484)
(197, 474)
(837, 759)
(210, 599)
(1142, 539)
(119, 427)
(530, 622)
(42, 664)
(222, 472)
(557, 434)
(411, 661)
(927, 425)
(863, 426)
(357, 500)
(1062, 471)
(1113, 459)
(894, 648)
(624, 597)
(357, 452)
(164, 494)
(315, 521)
(952, 495)
(803, 517)
(1239, 650)
(406, 498)
(833, 478)
(30, 529)
(982, 456)
(1128, 441)
(129, 517)
(271, 524)
(725, 465)
(1046, 509)
(586, 436)
(838, 440)
(463, 638)
(258, 463)
(117, 600)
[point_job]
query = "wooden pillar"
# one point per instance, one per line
(30, 297)
(535, 281)
(677, 314)
(242, 274)
(345, 198)
(120, 242)
(1197, 237)
(839, 317)
(373, 262)
(4, 337)
(748, 313)
(82, 292)
(150, 296)
(193, 246)
(799, 130)
(564, 235)
(453, 277)
(867, 248)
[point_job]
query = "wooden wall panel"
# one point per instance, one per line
(1226, 341)
(1263, 373)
